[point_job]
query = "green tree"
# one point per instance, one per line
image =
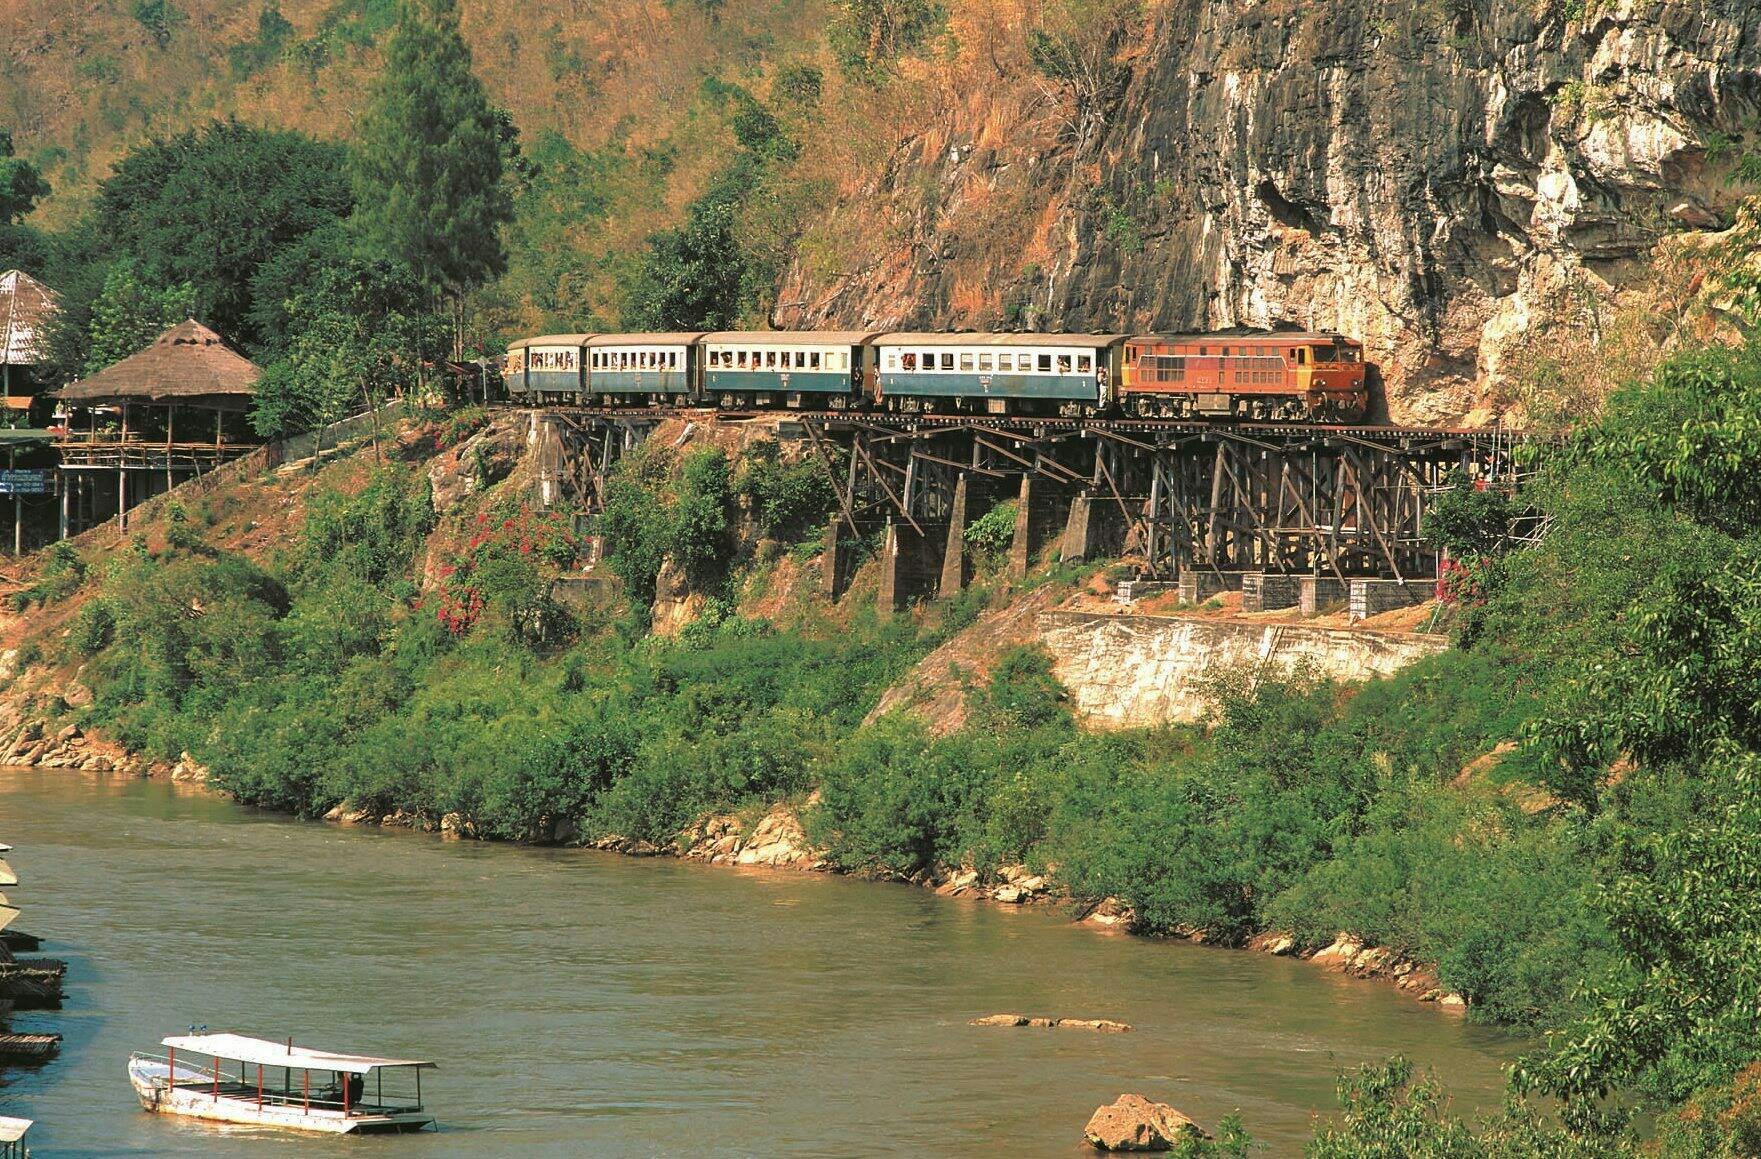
(130, 312)
(213, 206)
(358, 335)
(429, 163)
(21, 186)
(694, 274)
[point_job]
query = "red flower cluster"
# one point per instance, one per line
(461, 599)
(1461, 583)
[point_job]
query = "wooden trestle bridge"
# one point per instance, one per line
(1262, 507)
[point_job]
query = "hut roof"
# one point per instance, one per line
(188, 361)
(26, 308)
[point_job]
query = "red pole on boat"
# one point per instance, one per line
(307, 1082)
(345, 1093)
(259, 1086)
(171, 1071)
(216, 1069)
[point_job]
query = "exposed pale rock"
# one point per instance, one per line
(777, 840)
(1009, 894)
(1452, 1000)
(1103, 1025)
(1110, 913)
(1341, 953)
(1134, 1123)
(958, 883)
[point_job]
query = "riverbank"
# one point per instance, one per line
(638, 1002)
(778, 840)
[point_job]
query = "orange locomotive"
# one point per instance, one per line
(1257, 375)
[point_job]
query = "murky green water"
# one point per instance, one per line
(588, 1004)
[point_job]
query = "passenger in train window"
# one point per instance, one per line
(910, 360)
(770, 360)
(1063, 364)
(813, 360)
(1085, 363)
(948, 360)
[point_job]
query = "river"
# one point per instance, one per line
(582, 1003)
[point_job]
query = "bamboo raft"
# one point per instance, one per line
(27, 1049)
(32, 982)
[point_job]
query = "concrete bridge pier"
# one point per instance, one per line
(1095, 530)
(956, 568)
(1041, 509)
(911, 563)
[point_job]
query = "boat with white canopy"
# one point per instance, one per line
(12, 1132)
(278, 1084)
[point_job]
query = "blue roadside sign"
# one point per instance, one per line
(26, 481)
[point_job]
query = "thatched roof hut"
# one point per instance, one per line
(188, 364)
(27, 307)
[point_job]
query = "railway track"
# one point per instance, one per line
(1282, 433)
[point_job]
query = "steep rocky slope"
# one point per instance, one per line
(1474, 187)
(1452, 180)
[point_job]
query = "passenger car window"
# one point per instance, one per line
(966, 362)
(1045, 364)
(986, 362)
(948, 360)
(1063, 364)
(1085, 363)
(1005, 362)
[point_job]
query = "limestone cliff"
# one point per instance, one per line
(1448, 179)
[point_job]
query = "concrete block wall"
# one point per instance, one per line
(1198, 586)
(1370, 597)
(1270, 591)
(1319, 594)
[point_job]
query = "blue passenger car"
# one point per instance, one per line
(643, 369)
(826, 368)
(553, 367)
(1065, 374)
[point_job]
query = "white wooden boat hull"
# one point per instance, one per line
(149, 1081)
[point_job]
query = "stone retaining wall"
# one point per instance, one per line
(1142, 671)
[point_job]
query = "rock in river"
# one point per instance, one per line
(1133, 1123)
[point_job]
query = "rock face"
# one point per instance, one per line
(1442, 180)
(777, 840)
(1133, 1123)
